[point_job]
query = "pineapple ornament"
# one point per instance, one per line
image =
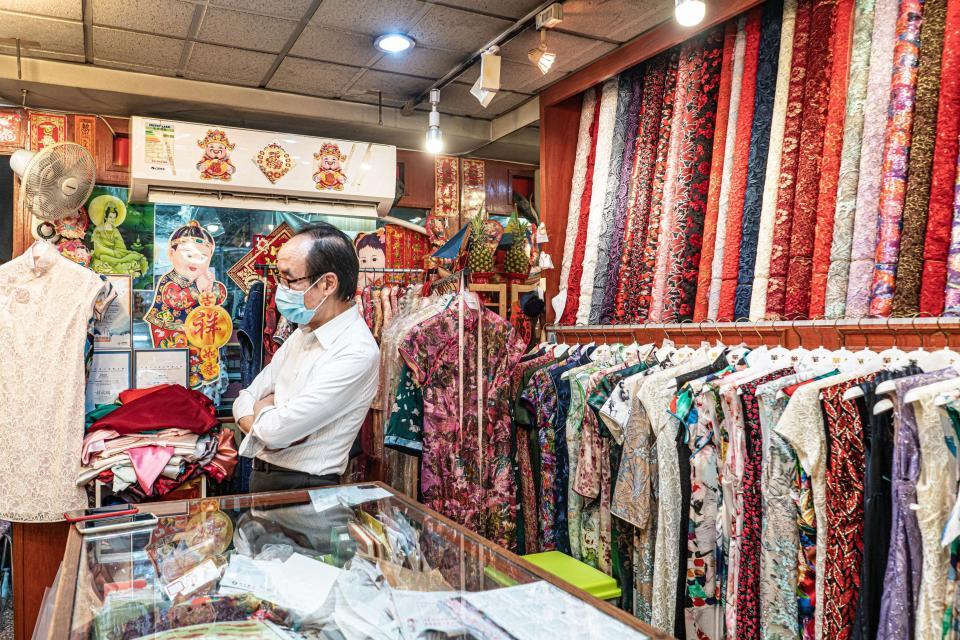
(516, 262)
(480, 260)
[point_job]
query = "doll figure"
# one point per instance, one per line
(371, 251)
(215, 164)
(110, 253)
(329, 175)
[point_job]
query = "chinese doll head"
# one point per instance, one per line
(329, 157)
(216, 146)
(191, 249)
(371, 252)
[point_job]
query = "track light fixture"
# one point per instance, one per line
(540, 56)
(434, 142)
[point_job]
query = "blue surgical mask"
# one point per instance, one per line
(291, 306)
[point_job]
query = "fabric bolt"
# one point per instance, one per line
(738, 176)
(766, 87)
(830, 157)
(606, 126)
(789, 161)
(951, 298)
(906, 296)
(569, 315)
(693, 182)
(632, 265)
(864, 241)
(835, 296)
(611, 272)
(709, 238)
(761, 269)
(943, 172)
(816, 99)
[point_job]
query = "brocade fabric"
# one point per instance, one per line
(584, 141)
(951, 296)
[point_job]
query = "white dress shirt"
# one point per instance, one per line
(323, 383)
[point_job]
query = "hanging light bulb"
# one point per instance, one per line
(540, 56)
(434, 142)
(689, 13)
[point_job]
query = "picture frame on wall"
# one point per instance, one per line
(115, 329)
(109, 376)
(153, 367)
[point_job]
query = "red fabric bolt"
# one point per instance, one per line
(830, 157)
(716, 171)
(816, 99)
(738, 178)
(576, 266)
(170, 407)
(944, 172)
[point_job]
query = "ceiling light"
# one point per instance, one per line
(540, 56)
(690, 12)
(394, 43)
(434, 143)
(481, 94)
(490, 70)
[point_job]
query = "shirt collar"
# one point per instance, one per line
(327, 333)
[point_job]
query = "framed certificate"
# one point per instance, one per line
(109, 375)
(115, 329)
(161, 366)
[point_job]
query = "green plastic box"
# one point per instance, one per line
(572, 571)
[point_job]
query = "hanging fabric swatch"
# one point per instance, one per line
(868, 187)
(640, 193)
(761, 269)
(789, 161)
(940, 212)
(767, 65)
(952, 291)
(569, 315)
(647, 265)
(896, 156)
(906, 297)
(716, 171)
(693, 180)
(741, 157)
(830, 157)
(816, 99)
(836, 291)
(716, 277)
(609, 274)
(600, 194)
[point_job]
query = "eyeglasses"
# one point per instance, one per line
(287, 282)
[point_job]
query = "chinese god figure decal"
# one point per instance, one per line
(329, 175)
(185, 313)
(215, 164)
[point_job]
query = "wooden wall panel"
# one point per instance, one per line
(418, 176)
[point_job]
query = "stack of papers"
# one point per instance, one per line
(300, 584)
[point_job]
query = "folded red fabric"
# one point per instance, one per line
(171, 406)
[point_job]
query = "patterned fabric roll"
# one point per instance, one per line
(761, 270)
(790, 159)
(767, 65)
(835, 300)
(569, 314)
(716, 173)
(906, 297)
(584, 140)
(693, 181)
(741, 158)
(816, 98)
(716, 277)
(830, 157)
(944, 172)
(647, 265)
(896, 156)
(871, 157)
(632, 265)
(611, 276)
(599, 194)
(952, 292)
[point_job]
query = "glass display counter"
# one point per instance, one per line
(357, 561)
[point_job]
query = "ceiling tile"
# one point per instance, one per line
(456, 30)
(45, 55)
(292, 9)
(572, 51)
(53, 35)
(619, 20)
(237, 29)
(138, 68)
(136, 48)
(372, 17)
(163, 17)
(311, 78)
(456, 99)
(513, 9)
(420, 61)
(332, 45)
(235, 66)
(393, 86)
(69, 9)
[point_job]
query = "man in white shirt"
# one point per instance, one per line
(303, 412)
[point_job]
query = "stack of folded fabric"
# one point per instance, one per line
(153, 440)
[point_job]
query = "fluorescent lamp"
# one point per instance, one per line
(690, 12)
(540, 56)
(394, 43)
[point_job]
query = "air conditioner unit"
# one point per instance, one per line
(205, 165)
